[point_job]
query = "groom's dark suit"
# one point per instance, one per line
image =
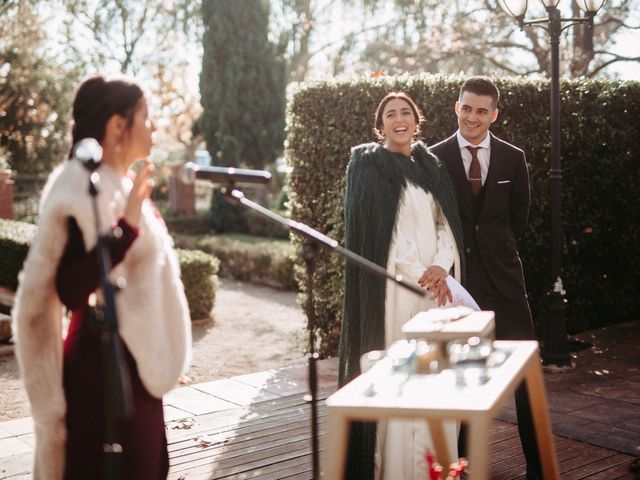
(491, 222)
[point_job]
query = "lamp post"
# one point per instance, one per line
(555, 353)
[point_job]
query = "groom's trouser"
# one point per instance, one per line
(513, 322)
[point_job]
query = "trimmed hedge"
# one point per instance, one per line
(198, 270)
(600, 154)
(15, 240)
(259, 260)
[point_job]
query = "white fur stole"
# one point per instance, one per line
(152, 309)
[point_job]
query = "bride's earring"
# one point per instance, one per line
(119, 147)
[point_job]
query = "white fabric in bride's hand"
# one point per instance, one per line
(461, 297)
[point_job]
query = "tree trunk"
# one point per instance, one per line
(582, 46)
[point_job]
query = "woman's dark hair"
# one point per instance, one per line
(97, 100)
(417, 114)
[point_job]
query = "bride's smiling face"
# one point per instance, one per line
(398, 124)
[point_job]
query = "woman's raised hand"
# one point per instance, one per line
(141, 190)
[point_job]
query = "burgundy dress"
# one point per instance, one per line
(142, 437)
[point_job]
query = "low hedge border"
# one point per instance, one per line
(260, 260)
(198, 269)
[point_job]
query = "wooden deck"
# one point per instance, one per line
(270, 440)
(258, 426)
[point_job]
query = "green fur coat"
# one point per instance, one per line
(376, 178)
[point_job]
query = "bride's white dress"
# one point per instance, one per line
(422, 238)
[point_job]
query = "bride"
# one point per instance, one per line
(401, 213)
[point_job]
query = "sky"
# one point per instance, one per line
(629, 45)
(342, 20)
(334, 22)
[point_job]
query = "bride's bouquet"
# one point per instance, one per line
(435, 470)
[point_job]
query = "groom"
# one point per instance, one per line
(492, 186)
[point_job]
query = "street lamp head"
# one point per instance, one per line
(590, 7)
(515, 8)
(550, 3)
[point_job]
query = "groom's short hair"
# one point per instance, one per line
(481, 85)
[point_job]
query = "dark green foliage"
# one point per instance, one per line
(282, 200)
(192, 225)
(262, 227)
(225, 216)
(600, 156)
(198, 273)
(15, 239)
(259, 260)
(242, 84)
(198, 269)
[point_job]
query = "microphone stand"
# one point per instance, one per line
(314, 240)
(117, 383)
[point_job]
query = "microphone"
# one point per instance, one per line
(226, 176)
(89, 152)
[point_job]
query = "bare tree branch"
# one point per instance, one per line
(616, 58)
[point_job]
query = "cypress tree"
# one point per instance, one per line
(242, 84)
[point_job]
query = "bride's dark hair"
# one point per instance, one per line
(417, 114)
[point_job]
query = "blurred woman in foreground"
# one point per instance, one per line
(65, 381)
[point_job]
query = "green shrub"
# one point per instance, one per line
(191, 225)
(260, 260)
(259, 226)
(198, 269)
(198, 272)
(600, 181)
(227, 217)
(15, 239)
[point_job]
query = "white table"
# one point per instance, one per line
(477, 405)
(434, 325)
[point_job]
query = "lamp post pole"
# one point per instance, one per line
(555, 177)
(556, 345)
(555, 353)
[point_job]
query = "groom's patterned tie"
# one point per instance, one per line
(475, 175)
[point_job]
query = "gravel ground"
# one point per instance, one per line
(254, 328)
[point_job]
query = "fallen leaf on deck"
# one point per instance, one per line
(184, 424)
